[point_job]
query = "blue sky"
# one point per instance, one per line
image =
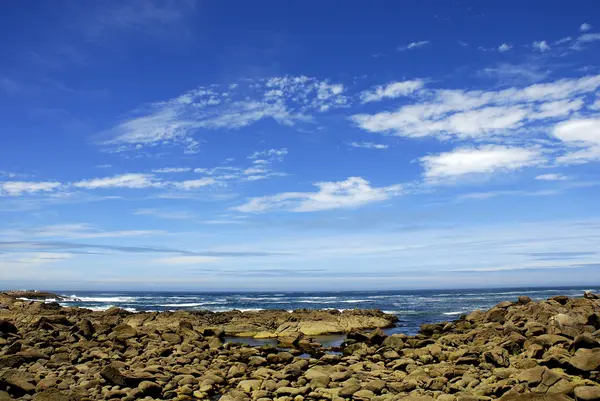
(198, 145)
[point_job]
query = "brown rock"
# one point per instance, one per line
(587, 393)
(586, 360)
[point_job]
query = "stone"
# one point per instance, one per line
(151, 389)
(123, 332)
(587, 393)
(51, 395)
(172, 338)
(248, 386)
(349, 390)
(363, 395)
(376, 337)
(376, 386)
(586, 360)
(394, 342)
(534, 397)
(524, 300)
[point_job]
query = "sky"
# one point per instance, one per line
(230, 145)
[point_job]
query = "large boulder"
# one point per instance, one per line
(586, 360)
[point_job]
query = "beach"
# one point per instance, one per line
(518, 349)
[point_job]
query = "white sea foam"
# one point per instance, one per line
(48, 300)
(75, 298)
(453, 313)
(106, 307)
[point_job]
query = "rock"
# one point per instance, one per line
(587, 393)
(291, 391)
(51, 395)
(7, 328)
(584, 341)
(561, 299)
(376, 386)
(171, 338)
(363, 395)
(586, 360)
(18, 382)
(535, 397)
(498, 357)
(215, 343)
(590, 295)
(349, 390)
(4, 396)
(524, 300)
(114, 376)
(248, 386)
(376, 337)
(123, 332)
(11, 361)
(395, 342)
(151, 389)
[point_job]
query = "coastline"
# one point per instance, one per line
(522, 347)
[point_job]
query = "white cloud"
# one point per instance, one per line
(582, 132)
(391, 90)
(104, 165)
(585, 27)
(187, 260)
(414, 45)
(17, 188)
(583, 138)
(481, 115)
(120, 181)
(81, 231)
(487, 159)
(285, 100)
(588, 37)
(166, 214)
(172, 170)
(552, 177)
(595, 105)
(504, 47)
(277, 153)
(558, 108)
(541, 46)
(353, 192)
(368, 145)
(11, 174)
(507, 73)
(194, 184)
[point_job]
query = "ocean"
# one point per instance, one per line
(413, 308)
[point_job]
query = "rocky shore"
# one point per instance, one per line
(520, 350)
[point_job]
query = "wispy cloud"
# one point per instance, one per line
(353, 192)
(391, 90)
(104, 23)
(368, 145)
(478, 115)
(585, 27)
(166, 170)
(17, 188)
(187, 260)
(285, 100)
(414, 45)
(504, 47)
(119, 181)
(516, 74)
(166, 214)
(552, 177)
(541, 46)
